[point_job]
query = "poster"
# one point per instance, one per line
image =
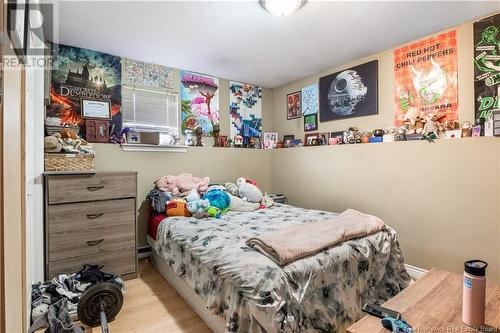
(82, 73)
(293, 109)
(143, 74)
(200, 102)
(486, 65)
(350, 93)
(245, 104)
(425, 78)
(310, 99)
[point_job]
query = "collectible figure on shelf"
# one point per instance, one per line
(432, 128)
(413, 122)
(189, 138)
(215, 132)
(466, 129)
(365, 137)
(238, 141)
(401, 134)
(199, 134)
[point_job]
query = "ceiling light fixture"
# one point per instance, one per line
(281, 7)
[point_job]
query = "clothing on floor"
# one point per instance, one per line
(56, 319)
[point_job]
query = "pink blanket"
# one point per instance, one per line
(305, 239)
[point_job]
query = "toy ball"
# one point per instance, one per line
(219, 199)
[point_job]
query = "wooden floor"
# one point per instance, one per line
(152, 305)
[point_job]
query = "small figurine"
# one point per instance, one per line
(215, 133)
(199, 133)
(238, 141)
(432, 128)
(466, 129)
(189, 138)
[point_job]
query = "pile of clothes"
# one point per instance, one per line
(186, 195)
(54, 302)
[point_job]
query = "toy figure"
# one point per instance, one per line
(432, 128)
(199, 133)
(215, 132)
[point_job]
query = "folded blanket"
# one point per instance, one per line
(305, 239)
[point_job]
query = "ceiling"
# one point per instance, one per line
(240, 41)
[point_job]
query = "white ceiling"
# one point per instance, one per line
(238, 40)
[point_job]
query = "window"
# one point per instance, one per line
(150, 111)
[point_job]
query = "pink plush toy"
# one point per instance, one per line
(182, 184)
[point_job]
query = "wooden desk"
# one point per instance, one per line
(434, 304)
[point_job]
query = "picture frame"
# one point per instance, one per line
(293, 105)
(309, 139)
(310, 122)
(223, 141)
(349, 93)
(95, 109)
(97, 130)
(324, 137)
(270, 140)
(18, 26)
(287, 139)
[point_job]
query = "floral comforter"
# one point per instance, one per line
(321, 293)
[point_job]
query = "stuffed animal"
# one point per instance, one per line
(239, 205)
(182, 184)
(177, 207)
(66, 133)
(266, 202)
(248, 191)
(51, 144)
(232, 188)
(192, 196)
(214, 212)
(198, 206)
(219, 199)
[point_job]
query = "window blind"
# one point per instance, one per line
(150, 111)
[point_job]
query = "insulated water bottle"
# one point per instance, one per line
(474, 294)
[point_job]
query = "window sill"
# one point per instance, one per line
(154, 148)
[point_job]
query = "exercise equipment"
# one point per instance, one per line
(99, 305)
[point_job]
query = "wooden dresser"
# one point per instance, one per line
(90, 218)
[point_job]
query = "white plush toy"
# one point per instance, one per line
(248, 191)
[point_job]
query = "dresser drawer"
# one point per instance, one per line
(87, 216)
(116, 262)
(93, 241)
(90, 187)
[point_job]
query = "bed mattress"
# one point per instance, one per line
(321, 293)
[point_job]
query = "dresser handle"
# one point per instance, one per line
(95, 242)
(94, 216)
(94, 188)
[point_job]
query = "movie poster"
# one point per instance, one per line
(200, 102)
(487, 65)
(245, 107)
(425, 78)
(83, 74)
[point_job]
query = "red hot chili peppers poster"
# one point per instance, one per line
(425, 77)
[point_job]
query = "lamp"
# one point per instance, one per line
(281, 7)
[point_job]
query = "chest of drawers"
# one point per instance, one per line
(90, 218)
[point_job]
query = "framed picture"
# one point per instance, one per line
(349, 93)
(223, 141)
(97, 130)
(293, 109)
(311, 122)
(323, 138)
(95, 109)
(287, 140)
(17, 26)
(311, 139)
(270, 140)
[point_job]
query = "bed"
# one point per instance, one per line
(237, 289)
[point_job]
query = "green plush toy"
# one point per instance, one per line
(214, 212)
